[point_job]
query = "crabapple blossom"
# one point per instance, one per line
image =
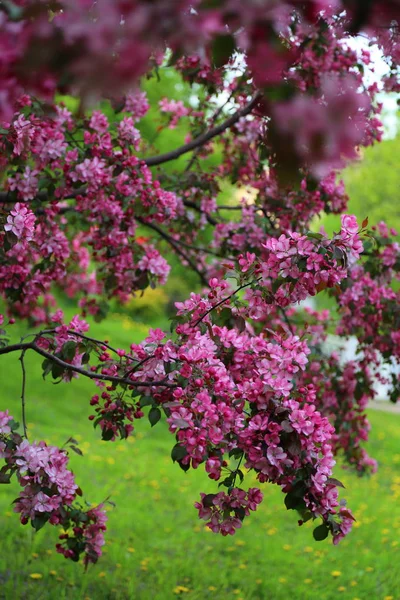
(275, 101)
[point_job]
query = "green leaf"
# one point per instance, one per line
(40, 520)
(240, 512)
(321, 532)
(334, 481)
(85, 358)
(5, 477)
(178, 452)
(184, 467)
(13, 425)
(107, 435)
(222, 49)
(208, 500)
(76, 450)
(146, 401)
(68, 350)
(154, 415)
(236, 453)
(241, 475)
(56, 371)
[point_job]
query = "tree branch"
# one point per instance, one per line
(193, 205)
(204, 137)
(83, 337)
(21, 358)
(79, 370)
(174, 245)
(241, 287)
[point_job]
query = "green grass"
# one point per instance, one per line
(156, 547)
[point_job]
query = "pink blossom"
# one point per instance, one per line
(21, 222)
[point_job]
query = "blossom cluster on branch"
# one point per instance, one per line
(48, 492)
(244, 380)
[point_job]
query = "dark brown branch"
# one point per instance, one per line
(214, 119)
(286, 319)
(83, 337)
(241, 287)
(174, 245)
(200, 249)
(79, 370)
(193, 205)
(204, 137)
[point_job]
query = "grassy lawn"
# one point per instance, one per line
(157, 549)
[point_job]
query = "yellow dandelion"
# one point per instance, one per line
(353, 583)
(388, 598)
(236, 592)
(369, 569)
(60, 578)
(308, 549)
(35, 555)
(49, 552)
(180, 589)
(242, 566)
(53, 572)
(36, 576)
(212, 588)
(258, 581)
(131, 550)
(341, 588)
(287, 547)
(308, 581)
(336, 573)
(240, 543)
(102, 574)
(282, 580)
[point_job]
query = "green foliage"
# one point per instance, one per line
(373, 186)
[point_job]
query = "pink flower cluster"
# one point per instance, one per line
(42, 467)
(224, 513)
(86, 537)
(21, 222)
(48, 490)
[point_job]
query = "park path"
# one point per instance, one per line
(385, 406)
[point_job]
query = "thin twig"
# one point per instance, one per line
(212, 122)
(286, 319)
(193, 205)
(82, 336)
(175, 246)
(241, 287)
(21, 358)
(204, 137)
